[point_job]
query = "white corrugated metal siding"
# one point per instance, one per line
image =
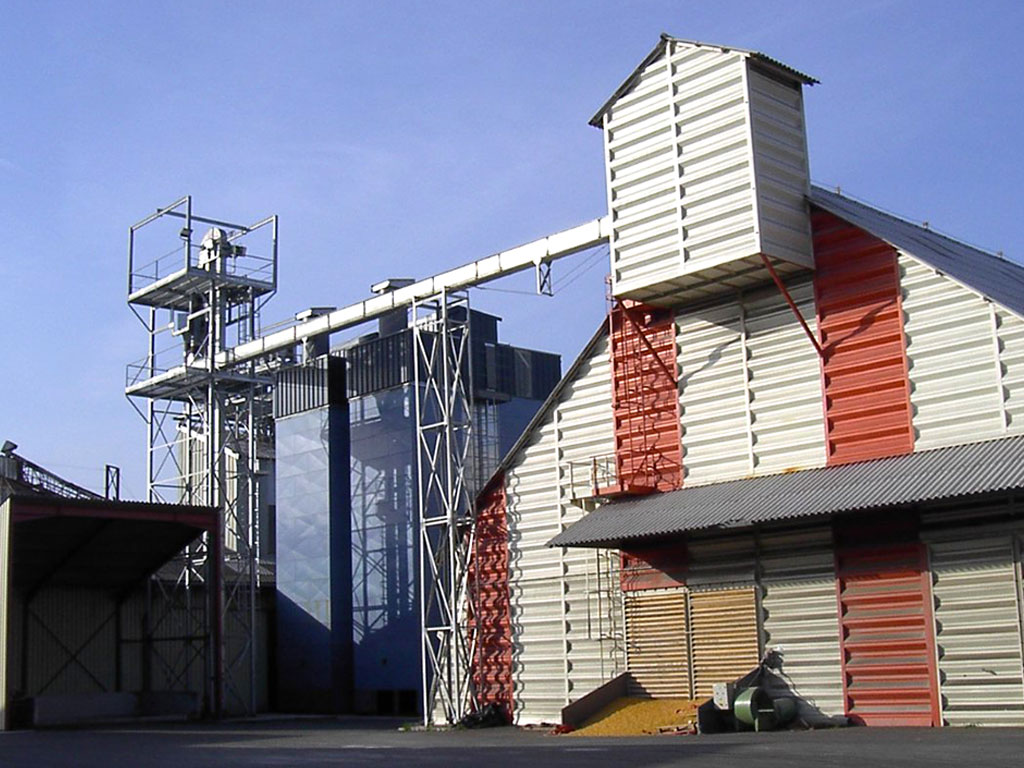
(749, 387)
(785, 382)
(978, 632)
(642, 181)
(714, 156)
(1010, 332)
(713, 396)
(801, 617)
(566, 609)
(780, 164)
(954, 373)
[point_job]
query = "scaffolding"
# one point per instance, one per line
(206, 423)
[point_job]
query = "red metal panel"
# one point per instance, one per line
(887, 631)
(653, 567)
(645, 399)
(860, 324)
(492, 616)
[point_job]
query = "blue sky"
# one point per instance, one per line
(402, 138)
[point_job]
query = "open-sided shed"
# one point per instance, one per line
(81, 628)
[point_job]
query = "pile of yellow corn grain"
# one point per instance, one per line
(635, 717)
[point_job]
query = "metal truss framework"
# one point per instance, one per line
(443, 386)
(208, 413)
(205, 426)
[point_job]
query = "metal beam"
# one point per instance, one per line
(527, 256)
(792, 305)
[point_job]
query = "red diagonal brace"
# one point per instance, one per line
(792, 305)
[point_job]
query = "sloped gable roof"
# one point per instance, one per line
(990, 275)
(659, 49)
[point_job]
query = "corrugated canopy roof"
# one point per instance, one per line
(659, 49)
(942, 473)
(97, 543)
(993, 276)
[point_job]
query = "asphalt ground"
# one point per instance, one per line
(378, 742)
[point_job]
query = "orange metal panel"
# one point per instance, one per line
(491, 614)
(648, 451)
(860, 323)
(887, 631)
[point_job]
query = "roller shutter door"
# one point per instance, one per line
(978, 633)
(657, 649)
(725, 636)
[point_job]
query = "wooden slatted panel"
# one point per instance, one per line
(725, 636)
(887, 635)
(656, 644)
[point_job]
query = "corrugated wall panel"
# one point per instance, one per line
(955, 388)
(800, 617)
(887, 635)
(593, 604)
(715, 172)
(63, 620)
(780, 162)
(1010, 330)
(713, 394)
(488, 580)
(857, 291)
(718, 562)
(657, 649)
(785, 382)
(645, 401)
(562, 608)
(725, 636)
(642, 180)
(749, 387)
(653, 567)
(975, 587)
(535, 575)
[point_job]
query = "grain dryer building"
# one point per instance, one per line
(802, 428)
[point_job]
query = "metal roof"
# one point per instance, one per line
(96, 542)
(658, 49)
(942, 473)
(989, 274)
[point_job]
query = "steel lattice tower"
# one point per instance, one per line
(207, 423)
